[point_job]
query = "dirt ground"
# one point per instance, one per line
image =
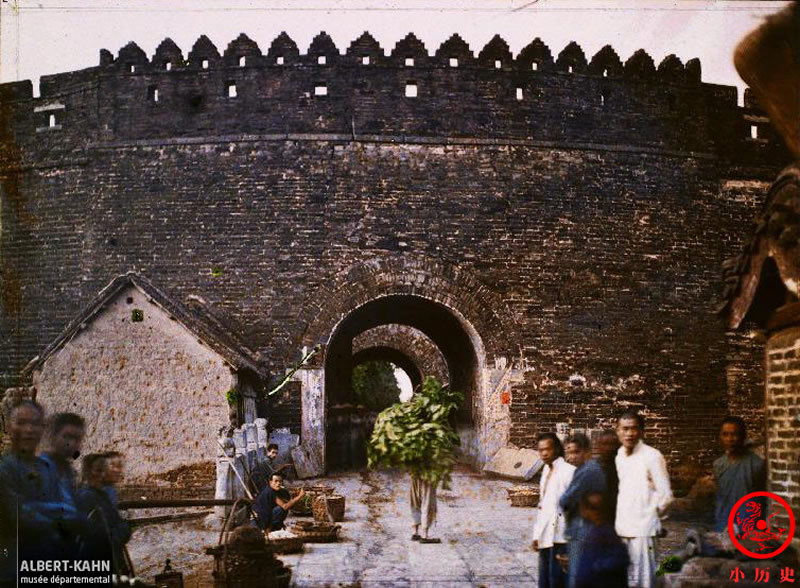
(485, 541)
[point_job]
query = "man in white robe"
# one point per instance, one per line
(644, 493)
(549, 531)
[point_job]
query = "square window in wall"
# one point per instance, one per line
(152, 94)
(602, 100)
(168, 65)
(453, 62)
(242, 60)
(51, 121)
(231, 89)
(204, 64)
(605, 73)
(519, 93)
(131, 68)
(754, 131)
(498, 64)
(320, 90)
(409, 62)
(365, 60)
(321, 60)
(279, 60)
(411, 89)
(569, 69)
(535, 66)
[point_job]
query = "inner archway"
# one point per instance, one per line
(454, 339)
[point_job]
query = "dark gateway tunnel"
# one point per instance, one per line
(348, 427)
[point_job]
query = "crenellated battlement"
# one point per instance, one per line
(364, 91)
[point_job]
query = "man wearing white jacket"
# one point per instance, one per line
(644, 493)
(549, 530)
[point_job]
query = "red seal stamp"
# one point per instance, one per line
(752, 526)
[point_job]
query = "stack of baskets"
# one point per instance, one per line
(304, 508)
(328, 508)
(316, 532)
(526, 496)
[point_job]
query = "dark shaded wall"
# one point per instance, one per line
(599, 224)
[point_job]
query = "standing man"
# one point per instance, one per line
(737, 473)
(605, 448)
(35, 523)
(422, 496)
(588, 478)
(604, 560)
(65, 437)
(110, 531)
(644, 493)
(549, 536)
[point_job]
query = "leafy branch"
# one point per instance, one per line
(305, 359)
(417, 435)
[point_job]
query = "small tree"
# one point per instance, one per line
(417, 435)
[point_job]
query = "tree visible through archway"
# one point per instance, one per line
(375, 385)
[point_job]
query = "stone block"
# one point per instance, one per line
(286, 442)
(518, 464)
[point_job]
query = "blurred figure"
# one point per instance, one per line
(37, 522)
(644, 494)
(588, 478)
(604, 559)
(114, 474)
(65, 437)
(768, 59)
(605, 448)
(110, 531)
(549, 530)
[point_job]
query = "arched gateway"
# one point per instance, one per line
(445, 306)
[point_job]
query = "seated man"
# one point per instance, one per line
(273, 504)
(262, 471)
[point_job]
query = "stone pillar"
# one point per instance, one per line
(309, 458)
(783, 419)
(261, 439)
(239, 461)
(224, 485)
(251, 443)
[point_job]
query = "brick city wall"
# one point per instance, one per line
(783, 418)
(594, 212)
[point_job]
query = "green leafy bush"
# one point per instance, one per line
(233, 396)
(417, 435)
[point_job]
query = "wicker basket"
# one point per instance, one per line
(524, 496)
(316, 532)
(318, 489)
(286, 544)
(333, 504)
(303, 507)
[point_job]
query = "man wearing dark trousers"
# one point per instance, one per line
(273, 504)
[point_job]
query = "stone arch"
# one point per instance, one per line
(421, 352)
(448, 284)
(392, 355)
(468, 322)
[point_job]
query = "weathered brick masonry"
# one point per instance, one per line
(573, 215)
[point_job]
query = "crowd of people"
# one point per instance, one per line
(47, 514)
(599, 517)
